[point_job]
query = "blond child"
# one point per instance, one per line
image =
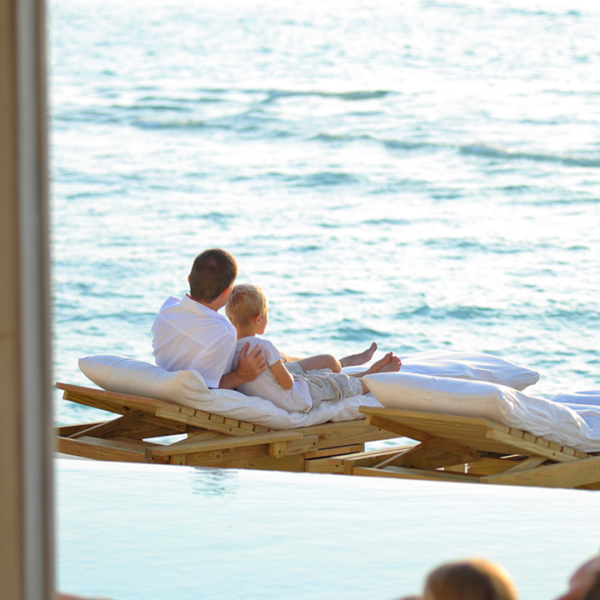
(247, 309)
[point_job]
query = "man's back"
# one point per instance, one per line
(188, 335)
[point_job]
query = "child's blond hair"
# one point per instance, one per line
(475, 579)
(244, 303)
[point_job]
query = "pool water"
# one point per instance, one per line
(154, 532)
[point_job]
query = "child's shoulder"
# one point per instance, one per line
(262, 343)
(254, 340)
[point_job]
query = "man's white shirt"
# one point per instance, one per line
(190, 336)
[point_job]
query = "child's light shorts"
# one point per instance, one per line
(326, 386)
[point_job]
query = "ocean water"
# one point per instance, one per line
(424, 174)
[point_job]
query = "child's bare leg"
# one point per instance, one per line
(359, 359)
(328, 361)
(320, 361)
(365, 389)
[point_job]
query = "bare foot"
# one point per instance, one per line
(393, 366)
(389, 363)
(359, 359)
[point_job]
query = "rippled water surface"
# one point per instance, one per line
(424, 174)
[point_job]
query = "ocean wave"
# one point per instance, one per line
(169, 114)
(492, 152)
(540, 12)
(472, 245)
(461, 313)
(273, 95)
(324, 178)
(386, 221)
(476, 150)
(579, 315)
(357, 334)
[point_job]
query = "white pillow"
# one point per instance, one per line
(539, 416)
(441, 395)
(129, 376)
(470, 365)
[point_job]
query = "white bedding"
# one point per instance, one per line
(441, 382)
(470, 365)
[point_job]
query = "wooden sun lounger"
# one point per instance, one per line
(469, 449)
(211, 440)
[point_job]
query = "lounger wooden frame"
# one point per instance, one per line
(212, 440)
(469, 449)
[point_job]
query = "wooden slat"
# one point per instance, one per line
(193, 445)
(427, 418)
(201, 436)
(529, 463)
(112, 428)
(366, 459)
(214, 423)
(564, 475)
(135, 425)
(307, 445)
(101, 450)
(345, 433)
(111, 398)
(69, 430)
(244, 456)
(398, 428)
(402, 473)
(124, 403)
(491, 466)
(526, 446)
(292, 464)
(335, 451)
(198, 459)
(96, 402)
(431, 454)
(322, 465)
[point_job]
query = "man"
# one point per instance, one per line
(190, 334)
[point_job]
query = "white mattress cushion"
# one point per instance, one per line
(587, 398)
(539, 416)
(187, 388)
(470, 365)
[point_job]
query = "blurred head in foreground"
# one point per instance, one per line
(475, 579)
(585, 582)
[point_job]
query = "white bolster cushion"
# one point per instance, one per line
(128, 376)
(470, 365)
(539, 416)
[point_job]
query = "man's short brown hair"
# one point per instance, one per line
(212, 273)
